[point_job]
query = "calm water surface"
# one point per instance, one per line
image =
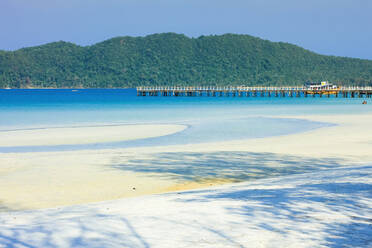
(207, 118)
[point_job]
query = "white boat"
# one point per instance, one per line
(320, 86)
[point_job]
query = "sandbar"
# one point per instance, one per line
(84, 135)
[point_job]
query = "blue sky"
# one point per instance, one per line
(332, 27)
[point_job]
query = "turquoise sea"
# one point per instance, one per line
(208, 118)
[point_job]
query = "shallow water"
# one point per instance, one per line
(208, 118)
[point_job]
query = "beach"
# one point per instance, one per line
(83, 135)
(185, 124)
(306, 188)
(329, 208)
(56, 179)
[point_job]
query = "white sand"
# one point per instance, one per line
(349, 139)
(326, 208)
(84, 135)
(41, 180)
(49, 179)
(329, 208)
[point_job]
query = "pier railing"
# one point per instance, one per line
(348, 91)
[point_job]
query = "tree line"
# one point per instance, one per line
(175, 59)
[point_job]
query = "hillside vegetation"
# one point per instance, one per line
(174, 59)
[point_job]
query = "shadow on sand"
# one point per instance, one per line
(235, 166)
(74, 230)
(339, 210)
(328, 207)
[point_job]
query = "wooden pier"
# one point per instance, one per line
(242, 91)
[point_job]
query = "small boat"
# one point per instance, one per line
(364, 102)
(323, 87)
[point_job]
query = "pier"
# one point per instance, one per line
(243, 91)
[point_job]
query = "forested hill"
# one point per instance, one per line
(174, 59)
